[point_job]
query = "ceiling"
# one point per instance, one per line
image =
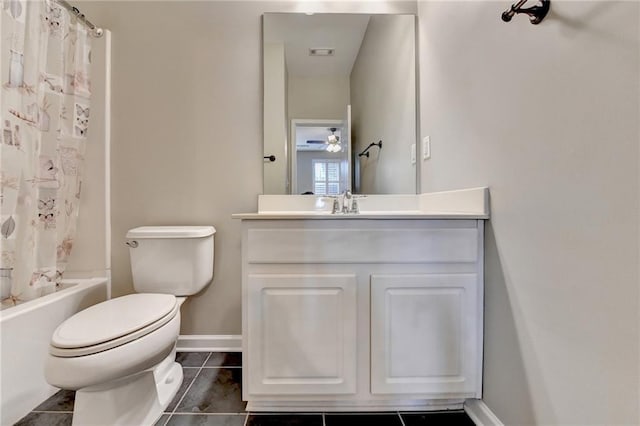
(299, 32)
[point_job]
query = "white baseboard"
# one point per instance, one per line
(209, 343)
(481, 415)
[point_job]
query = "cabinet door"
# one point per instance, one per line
(424, 334)
(301, 334)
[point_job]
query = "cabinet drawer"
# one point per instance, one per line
(459, 244)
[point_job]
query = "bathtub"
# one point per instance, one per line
(25, 331)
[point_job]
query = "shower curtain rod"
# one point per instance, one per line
(95, 31)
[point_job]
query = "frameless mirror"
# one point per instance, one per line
(335, 85)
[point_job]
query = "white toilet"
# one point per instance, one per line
(119, 355)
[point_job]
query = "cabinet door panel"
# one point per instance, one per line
(423, 335)
(302, 331)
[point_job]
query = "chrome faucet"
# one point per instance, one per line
(345, 203)
(347, 198)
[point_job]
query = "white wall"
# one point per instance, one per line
(187, 128)
(547, 116)
(384, 108)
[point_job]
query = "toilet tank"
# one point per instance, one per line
(174, 260)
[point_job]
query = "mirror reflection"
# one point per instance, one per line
(334, 84)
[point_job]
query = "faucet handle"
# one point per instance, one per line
(336, 202)
(354, 206)
(336, 206)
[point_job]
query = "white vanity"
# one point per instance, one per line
(376, 311)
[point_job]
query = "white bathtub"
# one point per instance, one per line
(25, 331)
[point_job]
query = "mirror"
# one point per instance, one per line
(335, 85)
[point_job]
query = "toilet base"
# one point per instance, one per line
(139, 399)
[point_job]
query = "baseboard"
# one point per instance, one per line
(352, 406)
(481, 415)
(209, 343)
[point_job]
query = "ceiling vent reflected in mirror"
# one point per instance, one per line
(321, 51)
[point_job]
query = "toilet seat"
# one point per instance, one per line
(120, 362)
(113, 323)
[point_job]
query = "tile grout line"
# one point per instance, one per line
(179, 413)
(222, 366)
(324, 422)
(401, 419)
(246, 419)
(211, 368)
(187, 390)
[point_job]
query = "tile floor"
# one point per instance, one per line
(210, 395)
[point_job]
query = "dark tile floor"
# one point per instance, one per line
(210, 395)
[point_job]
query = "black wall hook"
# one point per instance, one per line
(536, 13)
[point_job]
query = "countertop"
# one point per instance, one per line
(289, 215)
(472, 203)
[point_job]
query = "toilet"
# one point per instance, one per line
(119, 355)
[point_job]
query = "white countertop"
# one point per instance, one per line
(368, 216)
(461, 204)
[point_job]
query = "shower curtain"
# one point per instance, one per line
(44, 120)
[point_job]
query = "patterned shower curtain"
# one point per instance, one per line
(44, 118)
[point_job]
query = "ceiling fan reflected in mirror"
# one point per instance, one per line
(333, 141)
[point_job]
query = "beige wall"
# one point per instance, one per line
(275, 118)
(319, 98)
(547, 116)
(187, 128)
(383, 86)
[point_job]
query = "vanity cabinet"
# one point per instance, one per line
(354, 314)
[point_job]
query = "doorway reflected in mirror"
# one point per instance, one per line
(320, 162)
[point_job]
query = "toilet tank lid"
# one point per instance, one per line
(171, 232)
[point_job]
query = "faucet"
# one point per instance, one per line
(347, 198)
(345, 203)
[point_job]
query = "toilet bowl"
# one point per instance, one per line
(119, 355)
